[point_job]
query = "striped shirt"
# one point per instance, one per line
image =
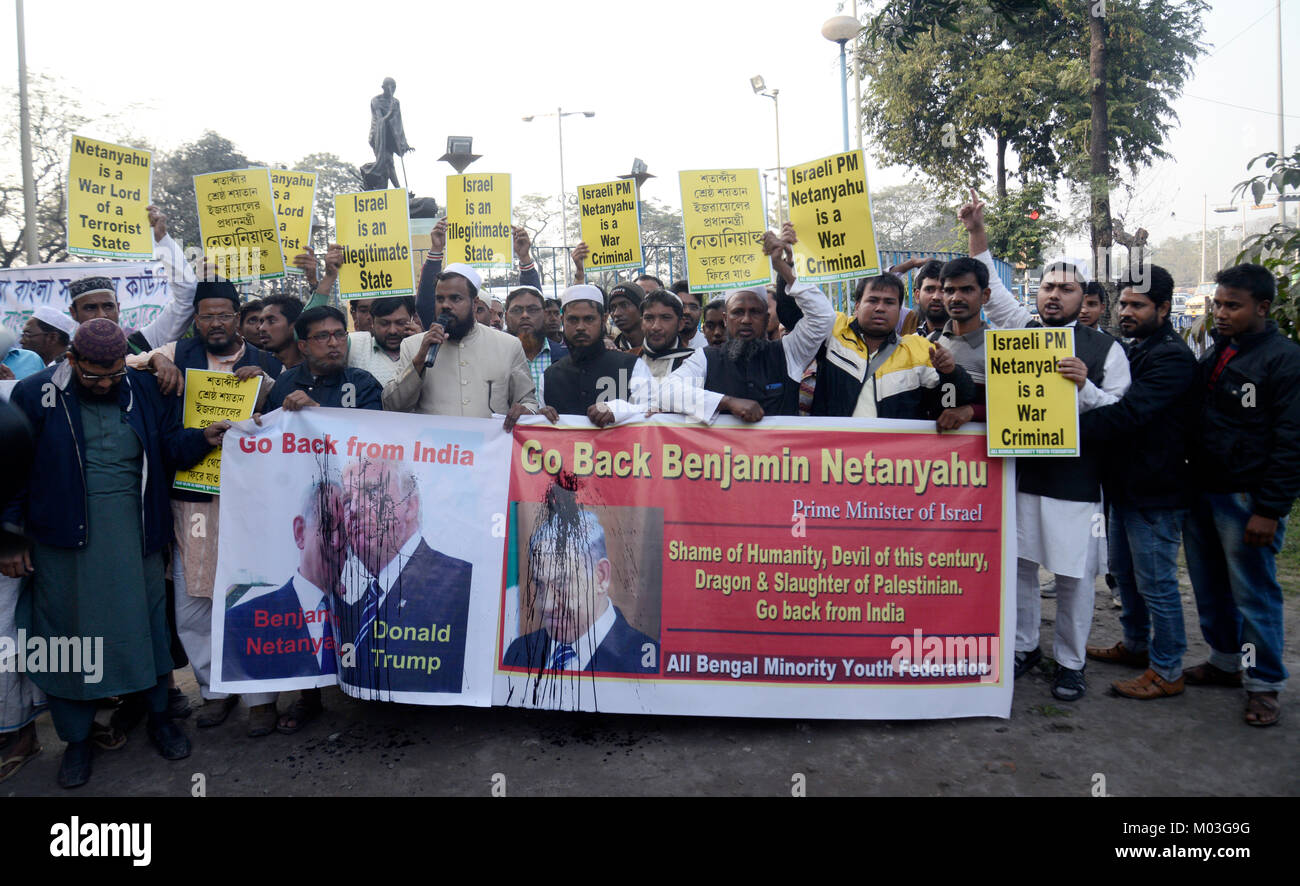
(537, 369)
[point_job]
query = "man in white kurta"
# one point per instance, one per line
(1065, 537)
(477, 371)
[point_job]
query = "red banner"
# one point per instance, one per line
(792, 568)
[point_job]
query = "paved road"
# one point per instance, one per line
(1195, 744)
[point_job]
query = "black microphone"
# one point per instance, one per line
(446, 320)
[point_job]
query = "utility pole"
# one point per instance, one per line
(1204, 204)
(25, 125)
(1281, 137)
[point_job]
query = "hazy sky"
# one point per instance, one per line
(669, 82)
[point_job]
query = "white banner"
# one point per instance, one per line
(143, 288)
(364, 549)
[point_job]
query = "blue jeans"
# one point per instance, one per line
(1237, 594)
(1144, 561)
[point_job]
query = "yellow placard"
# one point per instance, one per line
(108, 192)
(611, 225)
(830, 208)
(722, 213)
(209, 397)
(237, 223)
(375, 232)
(295, 199)
(478, 220)
(1032, 408)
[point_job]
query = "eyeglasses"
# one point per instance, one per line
(517, 310)
(91, 377)
(32, 333)
(320, 338)
(214, 318)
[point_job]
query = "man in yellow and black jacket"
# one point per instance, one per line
(866, 370)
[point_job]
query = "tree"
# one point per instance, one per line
(933, 100)
(1181, 257)
(1140, 56)
(334, 176)
(1113, 70)
(538, 213)
(56, 115)
(909, 218)
(661, 225)
(1278, 248)
(173, 181)
(1021, 226)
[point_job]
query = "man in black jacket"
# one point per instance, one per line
(591, 375)
(324, 378)
(1058, 499)
(1144, 439)
(1246, 460)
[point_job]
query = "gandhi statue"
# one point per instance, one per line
(387, 137)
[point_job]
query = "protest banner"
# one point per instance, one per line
(610, 221)
(794, 568)
(1032, 408)
(238, 224)
(830, 208)
(478, 220)
(374, 230)
(108, 192)
(210, 397)
(143, 289)
(375, 564)
(295, 199)
(724, 221)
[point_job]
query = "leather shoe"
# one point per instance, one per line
(74, 768)
(215, 711)
(1207, 674)
(169, 740)
(1119, 654)
(1148, 686)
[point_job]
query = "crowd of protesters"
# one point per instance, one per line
(1174, 451)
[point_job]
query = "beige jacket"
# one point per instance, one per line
(484, 373)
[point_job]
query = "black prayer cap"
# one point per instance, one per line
(216, 289)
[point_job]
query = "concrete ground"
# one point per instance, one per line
(1192, 745)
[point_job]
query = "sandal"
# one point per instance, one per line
(1262, 708)
(17, 761)
(108, 737)
(300, 713)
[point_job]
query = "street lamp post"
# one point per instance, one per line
(857, 94)
(559, 116)
(841, 29)
(1232, 207)
(760, 88)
